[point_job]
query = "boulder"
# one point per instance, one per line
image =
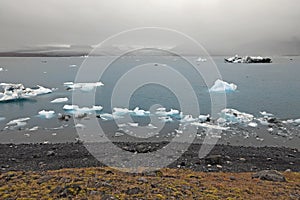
(269, 175)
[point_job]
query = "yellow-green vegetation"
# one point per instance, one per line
(106, 183)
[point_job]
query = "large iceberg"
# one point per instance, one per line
(18, 91)
(82, 86)
(222, 86)
(248, 59)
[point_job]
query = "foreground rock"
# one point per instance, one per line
(270, 175)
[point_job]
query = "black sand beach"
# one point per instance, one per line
(40, 157)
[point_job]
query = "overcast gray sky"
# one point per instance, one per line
(222, 26)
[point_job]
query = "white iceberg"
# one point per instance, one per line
(222, 86)
(164, 112)
(232, 116)
(201, 59)
(60, 100)
(46, 114)
(17, 123)
(266, 114)
(82, 86)
(209, 126)
(165, 119)
(121, 111)
(252, 124)
(133, 124)
(76, 109)
(204, 118)
(18, 91)
(1, 69)
(188, 119)
(139, 112)
(107, 116)
(35, 128)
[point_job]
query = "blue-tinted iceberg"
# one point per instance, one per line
(222, 86)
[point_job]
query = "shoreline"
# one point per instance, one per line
(222, 158)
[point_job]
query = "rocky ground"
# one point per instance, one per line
(69, 171)
(39, 157)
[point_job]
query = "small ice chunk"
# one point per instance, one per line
(164, 112)
(201, 59)
(118, 134)
(1, 69)
(204, 118)
(73, 65)
(151, 126)
(252, 124)
(2, 118)
(264, 113)
(133, 124)
(270, 129)
(47, 114)
(222, 86)
(165, 119)
(121, 111)
(42, 90)
(233, 116)
(188, 119)
(16, 123)
(209, 126)
(139, 112)
(60, 100)
(35, 128)
(70, 107)
(81, 126)
(297, 121)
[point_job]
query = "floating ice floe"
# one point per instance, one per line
(188, 119)
(18, 91)
(164, 112)
(46, 114)
(204, 118)
(121, 111)
(2, 118)
(201, 59)
(82, 86)
(35, 128)
(76, 109)
(139, 112)
(1, 69)
(166, 119)
(108, 116)
(17, 123)
(60, 100)
(232, 116)
(222, 86)
(133, 124)
(248, 59)
(266, 114)
(72, 66)
(209, 126)
(252, 124)
(81, 126)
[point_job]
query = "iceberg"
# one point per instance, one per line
(209, 126)
(248, 59)
(18, 91)
(265, 114)
(107, 116)
(165, 119)
(46, 114)
(188, 119)
(204, 118)
(139, 112)
(222, 86)
(82, 86)
(16, 123)
(232, 116)
(1, 69)
(121, 111)
(164, 112)
(76, 109)
(60, 100)
(201, 59)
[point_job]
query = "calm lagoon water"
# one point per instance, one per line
(271, 87)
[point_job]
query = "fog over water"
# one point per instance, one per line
(265, 27)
